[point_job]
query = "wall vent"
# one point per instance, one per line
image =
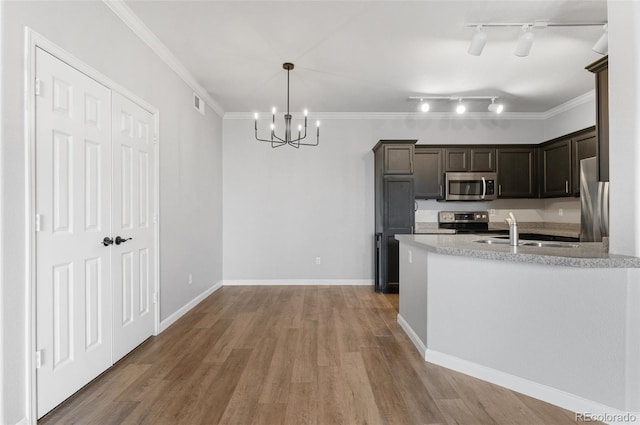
(198, 104)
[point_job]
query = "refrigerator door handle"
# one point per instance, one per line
(603, 199)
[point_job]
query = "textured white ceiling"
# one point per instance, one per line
(369, 56)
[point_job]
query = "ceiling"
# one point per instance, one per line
(370, 56)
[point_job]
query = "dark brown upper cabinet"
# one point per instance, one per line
(398, 158)
(555, 163)
(456, 159)
(516, 172)
(601, 70)
(428, 173)
(585, 145)
(483, 159)
(469, 159)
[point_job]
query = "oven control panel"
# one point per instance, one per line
(463, 217)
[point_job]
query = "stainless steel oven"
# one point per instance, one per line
(470, 186)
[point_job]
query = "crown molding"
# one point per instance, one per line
(573, 103)
(130, 19)
(417, 116)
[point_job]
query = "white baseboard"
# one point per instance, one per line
(412, 335)
(188, 306)
(298, 282)
(542, 392)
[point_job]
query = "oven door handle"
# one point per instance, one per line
(484, 188)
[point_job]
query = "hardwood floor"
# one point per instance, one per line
(292, 355)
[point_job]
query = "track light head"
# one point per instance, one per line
(496, 108)
(477, 42)
(525, 41)
(602, 45)
(460, 109)
(424, 106)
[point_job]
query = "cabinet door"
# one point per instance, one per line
(482, 159)
(584, 146)
(456, 159)
(556, 169)
(428, 173)
(398, 159)
(516, 172)
(398, 219)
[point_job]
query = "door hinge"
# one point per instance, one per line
(38, 359)
(37, 88)
(155, 298)
(38, 222)
(155, 217)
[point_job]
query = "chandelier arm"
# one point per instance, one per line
(276, 137)
(277, 145)
(263, 140)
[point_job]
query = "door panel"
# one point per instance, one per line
(73, 184)
(133, 271)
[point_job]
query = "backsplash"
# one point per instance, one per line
(557, 210)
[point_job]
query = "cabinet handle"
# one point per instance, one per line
(500, 189)
(441, 192)
(412, 230)
(566, 186)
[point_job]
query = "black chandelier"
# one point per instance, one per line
(276, 141)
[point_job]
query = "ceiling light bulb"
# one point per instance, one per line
(602, 45)
(299, 127)
(305, 112)
(460, 109)
(317, 123)
(273, 110)
(273, 126)
(255, 115)
(477, 42)
(424, 107)
(525, 41)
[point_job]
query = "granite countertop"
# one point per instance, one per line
(585, 255)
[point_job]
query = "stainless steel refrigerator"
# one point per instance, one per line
(594, 203)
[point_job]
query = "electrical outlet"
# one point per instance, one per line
(318, 260)
(560, 212)
(190, 278)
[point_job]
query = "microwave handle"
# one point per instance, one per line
(484, 188)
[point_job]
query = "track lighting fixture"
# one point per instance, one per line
(461, 108)
(477, 42)
(602, 45)
(525, 40)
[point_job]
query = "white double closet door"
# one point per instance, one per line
(94, 183)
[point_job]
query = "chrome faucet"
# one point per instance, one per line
(513, 229)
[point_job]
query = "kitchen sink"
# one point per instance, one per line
(539, 244)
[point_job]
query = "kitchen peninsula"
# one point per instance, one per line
(559, 323)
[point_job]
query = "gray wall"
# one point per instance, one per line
(285, 207)
(190, 166)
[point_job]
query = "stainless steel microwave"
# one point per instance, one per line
(470, 186)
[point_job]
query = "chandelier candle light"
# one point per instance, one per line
(276, 141)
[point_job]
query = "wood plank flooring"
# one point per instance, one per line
(294, 355)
